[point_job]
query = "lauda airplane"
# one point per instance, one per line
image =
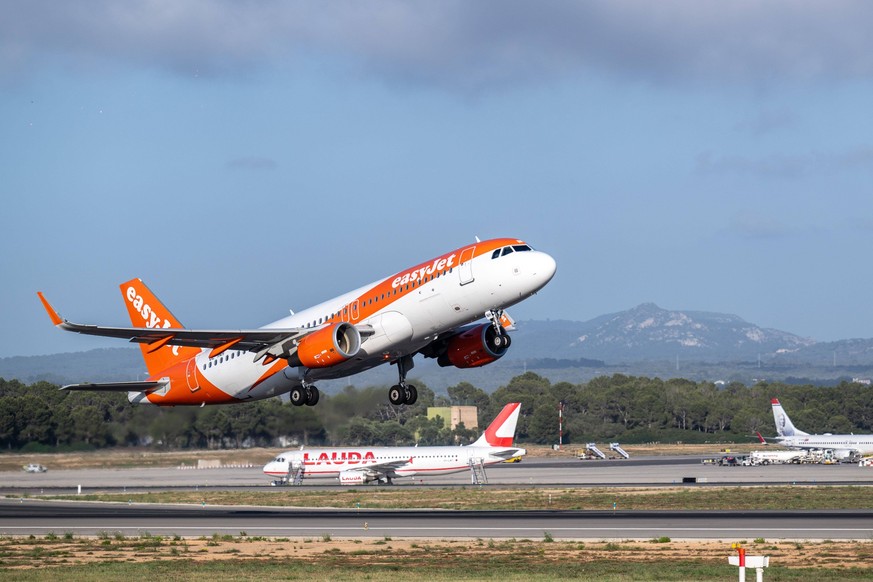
(844, 446)
(429, 309)
(361, 465)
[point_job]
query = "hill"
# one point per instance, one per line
(643, 341)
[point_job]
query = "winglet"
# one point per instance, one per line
(774, 401)
(55, 317)
(762, 439)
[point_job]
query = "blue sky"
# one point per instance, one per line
(248, 158)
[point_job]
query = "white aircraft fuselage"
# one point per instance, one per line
(359, 465)
(842, 445)
(426, 309)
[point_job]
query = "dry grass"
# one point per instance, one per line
(431, 556)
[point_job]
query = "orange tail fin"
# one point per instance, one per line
(146, 310)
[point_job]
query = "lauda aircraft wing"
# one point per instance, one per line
(267, 343)
(382, 469)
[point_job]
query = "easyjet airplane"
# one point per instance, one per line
(430, 309)
(359, 465)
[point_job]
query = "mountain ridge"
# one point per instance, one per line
(643, 340)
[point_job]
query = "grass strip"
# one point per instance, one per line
(483, 498)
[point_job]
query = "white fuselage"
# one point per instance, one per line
(415, 461)
(402, 314)
(843, 445)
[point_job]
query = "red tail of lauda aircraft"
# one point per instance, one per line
(430, 309)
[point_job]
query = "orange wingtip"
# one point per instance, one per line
(56, 319)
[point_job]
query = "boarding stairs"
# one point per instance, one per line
(593, 450)
(617, 448)
(477, 471)
(295, 473)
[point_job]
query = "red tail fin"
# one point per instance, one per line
(501, 432)
(146, 310)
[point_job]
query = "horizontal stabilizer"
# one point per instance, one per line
(508, 453)
(116, 386)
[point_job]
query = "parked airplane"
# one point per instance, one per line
(359, 465)
(429, 309)
(844, 446)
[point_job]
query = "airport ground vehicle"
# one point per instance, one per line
(776, 457)
(34, 468)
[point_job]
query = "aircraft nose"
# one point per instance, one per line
(544, 268)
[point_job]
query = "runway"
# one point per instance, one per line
(26, 517)
(648, 471)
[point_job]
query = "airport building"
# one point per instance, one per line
(454, 415)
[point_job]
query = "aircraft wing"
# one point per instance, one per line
(116, 386)
(385, 468)
(270, 342)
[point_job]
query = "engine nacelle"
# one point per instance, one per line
(352, 478)
(329, 346)
(474, 347)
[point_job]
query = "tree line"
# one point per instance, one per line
(624, 408)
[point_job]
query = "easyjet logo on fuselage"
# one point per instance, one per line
(148, 314)
(421, 273)
(335, 458)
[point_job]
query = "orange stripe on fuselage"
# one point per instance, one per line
(180, 392)
(412, 278)
(404, 282)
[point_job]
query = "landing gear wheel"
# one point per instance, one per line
(311, 396)
(396, 395)
(298, 396)
(411, 394)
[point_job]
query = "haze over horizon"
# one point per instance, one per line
(244, 159)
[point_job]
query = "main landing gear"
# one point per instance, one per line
(304, 394)
(403, 393)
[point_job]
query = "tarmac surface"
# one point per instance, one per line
(26, 517)
(648, 471)
(23, 515)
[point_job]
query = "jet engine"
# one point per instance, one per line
(353, 478)
(329, 346)
(474, 347)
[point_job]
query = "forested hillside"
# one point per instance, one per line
(625, 408)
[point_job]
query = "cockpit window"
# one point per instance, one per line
(503, 251)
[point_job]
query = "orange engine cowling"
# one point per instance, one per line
(474, 347)
(329, 346)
